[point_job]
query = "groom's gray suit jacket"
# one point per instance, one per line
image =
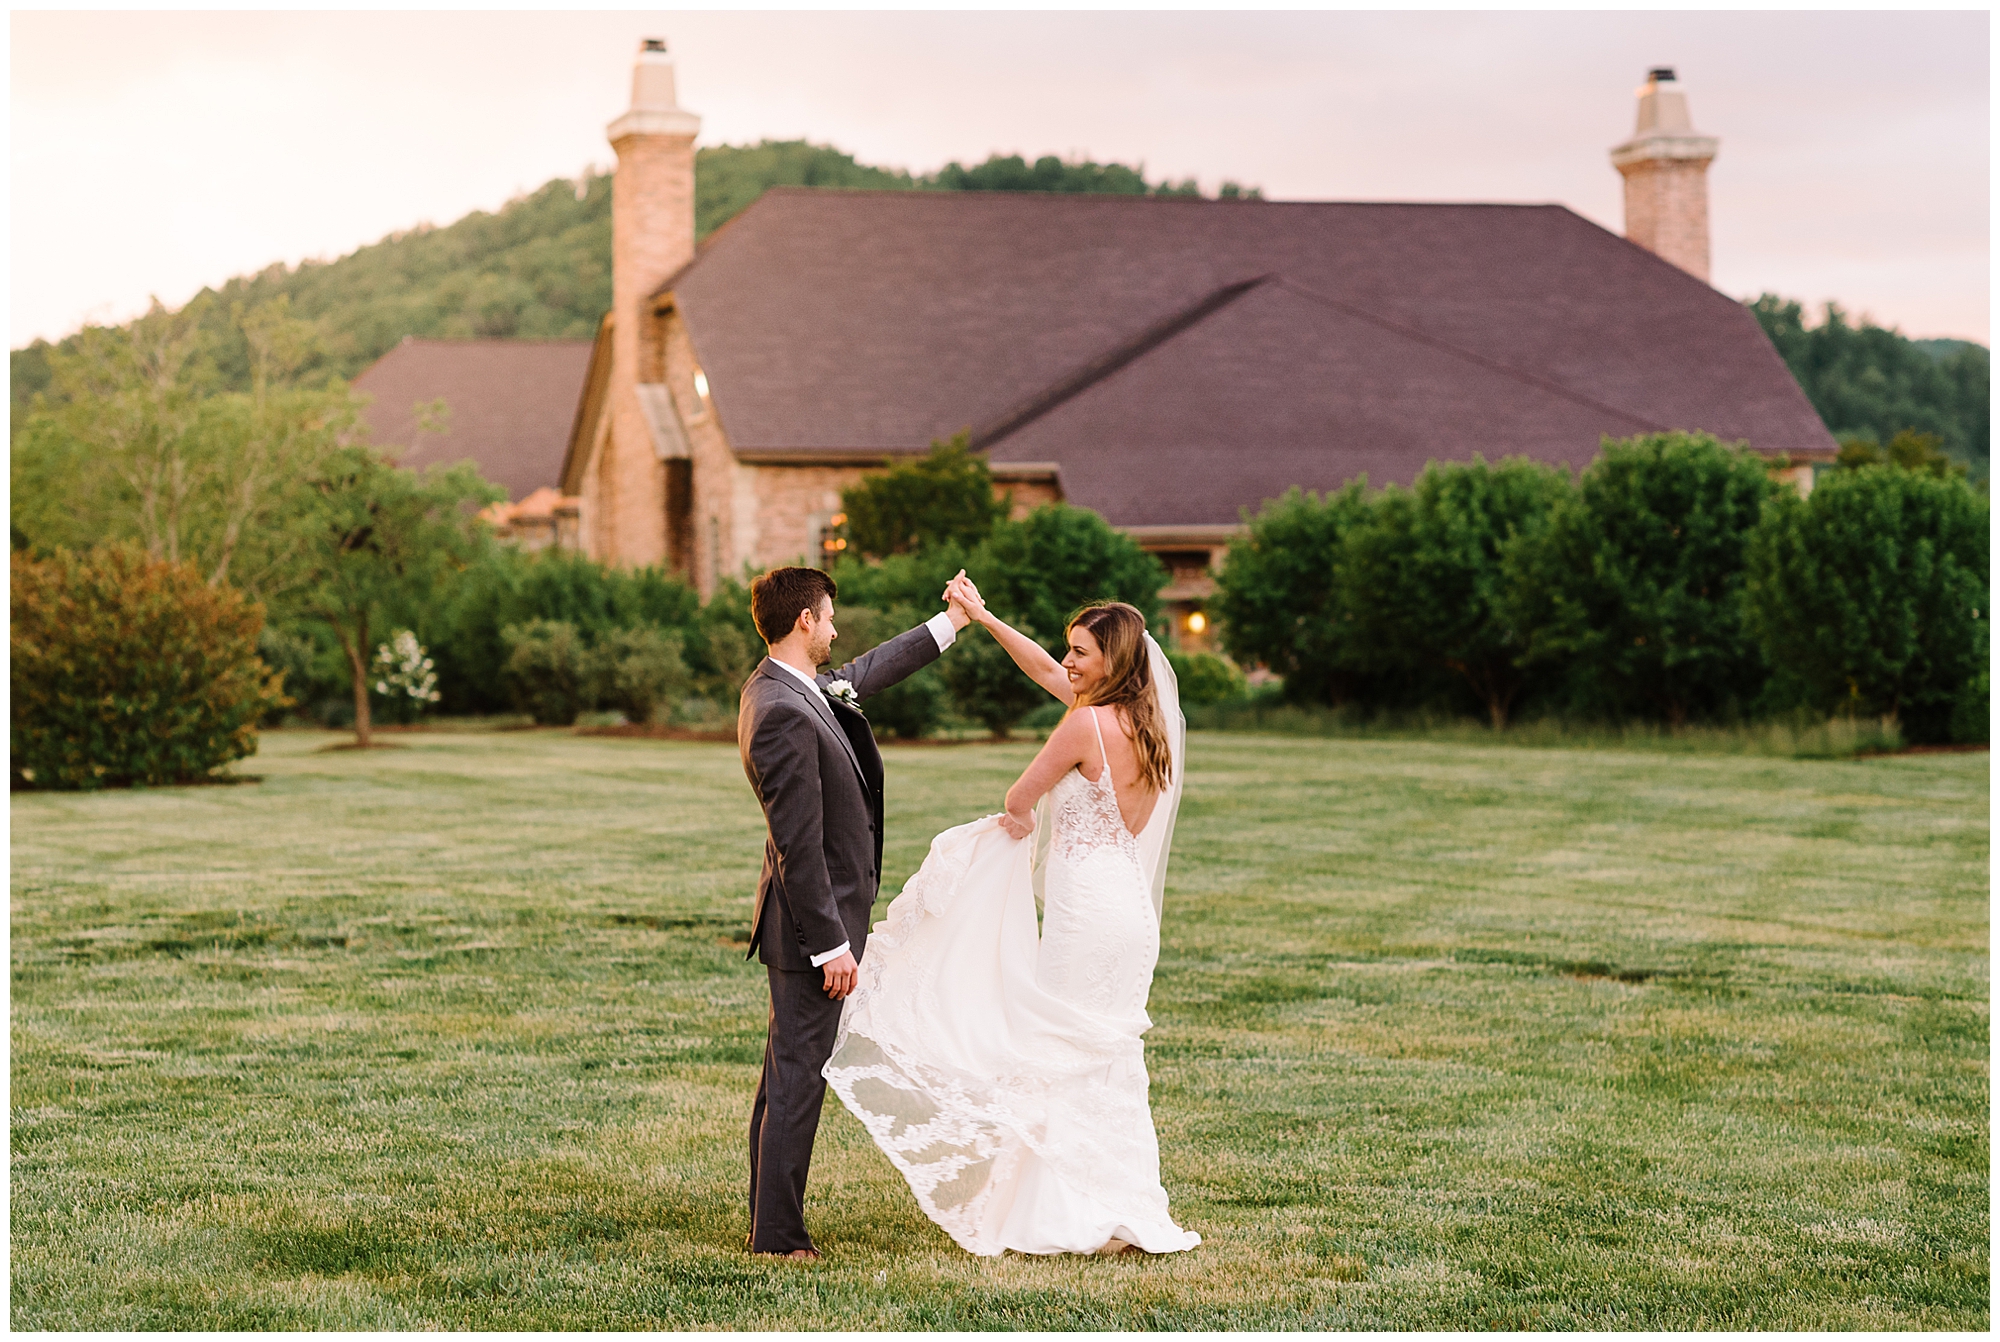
(815, 767)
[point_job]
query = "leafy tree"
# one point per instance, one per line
(1049, 173)
(1910, 450)
(1425, 578)
(915, 579)
(133, 441)
(1635, 586)
(130, 669)
(944, 497)
(727, 178)
(1035, 573)
(1868, 381)
(911, 708)
(1279, 598)
(1872, 595)
(985, 683)
(1044, 566)
(376, 541)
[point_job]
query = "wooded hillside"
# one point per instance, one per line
(1871, 383)
(540, 267)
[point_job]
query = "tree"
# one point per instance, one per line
(1057, 558)
(1635, 585)
(1909, 450)
(1425, 577)
(942, 498)
(1278, 596)
(375, 540)
(133, 441)
(1872, 596)
(639, 672)
(1868, 381)
(912, 707)
(1035, 573)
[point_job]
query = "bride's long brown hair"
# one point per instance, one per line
(1120, 630)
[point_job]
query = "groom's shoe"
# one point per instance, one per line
(799, 1255)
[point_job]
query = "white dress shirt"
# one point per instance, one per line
(946, 633)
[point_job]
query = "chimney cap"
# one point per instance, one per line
(1660, 74)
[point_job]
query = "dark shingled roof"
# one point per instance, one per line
(1182, 359)
(511, 403)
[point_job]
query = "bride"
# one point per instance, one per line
(998, 1067)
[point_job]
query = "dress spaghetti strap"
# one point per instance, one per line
(1104, 762)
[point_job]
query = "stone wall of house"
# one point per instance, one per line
(1028, 495)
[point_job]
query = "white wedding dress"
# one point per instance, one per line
(1001, 1070)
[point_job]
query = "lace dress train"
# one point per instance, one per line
(1002, 1070)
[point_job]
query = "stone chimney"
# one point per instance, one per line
(652, 236)
(1665, 166)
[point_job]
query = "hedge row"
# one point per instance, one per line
(1672, 581)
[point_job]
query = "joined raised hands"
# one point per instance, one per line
(962, 592)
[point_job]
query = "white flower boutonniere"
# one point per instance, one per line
(843, 693)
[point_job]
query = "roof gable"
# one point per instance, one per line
(511, 404)
(832, 321)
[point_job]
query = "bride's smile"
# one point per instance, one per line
(1084, 663)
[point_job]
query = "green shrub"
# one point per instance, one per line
(1871, 596)
(1425, 576)
(547, 672)
(509, 587)
(1040, 569)
(1279, 595)
(986, 686)
(315, 673)
(639, 672)
(1633, 592)
(1207, 679)
(1034, 573)
(913, 707)
(131, 670)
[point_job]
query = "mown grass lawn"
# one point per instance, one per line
(460, 1035)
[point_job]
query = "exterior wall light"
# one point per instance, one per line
(1197, 622)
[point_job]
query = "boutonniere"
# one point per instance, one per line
(843, 693)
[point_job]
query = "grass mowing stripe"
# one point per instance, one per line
(1448, 1035)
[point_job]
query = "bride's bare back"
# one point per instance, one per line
(1135, 799)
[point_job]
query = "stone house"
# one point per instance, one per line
(1166, 362)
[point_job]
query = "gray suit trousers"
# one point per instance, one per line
(784, 1118)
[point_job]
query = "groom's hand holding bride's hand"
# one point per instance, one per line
(963, 597)
(841, 974)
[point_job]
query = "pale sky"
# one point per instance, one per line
(154, 153)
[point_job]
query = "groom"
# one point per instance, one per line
(812, 760)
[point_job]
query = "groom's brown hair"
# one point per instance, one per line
(777, 598)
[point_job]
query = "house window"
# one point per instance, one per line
(831, 540)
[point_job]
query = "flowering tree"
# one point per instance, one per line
(404, 674)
